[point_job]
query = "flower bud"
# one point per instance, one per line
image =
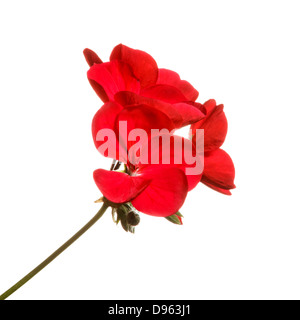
(176, 218)
(128, 218)
(133, 218)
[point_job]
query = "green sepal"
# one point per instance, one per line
(174, 218)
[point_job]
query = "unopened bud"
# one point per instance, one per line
(133, 218)
(175, 218)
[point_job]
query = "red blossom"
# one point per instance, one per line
(136, 92)
(133, 75)
(219, 169)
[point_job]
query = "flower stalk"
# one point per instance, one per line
(41, 266)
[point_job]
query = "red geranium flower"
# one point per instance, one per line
(132, 77)
(219, 171)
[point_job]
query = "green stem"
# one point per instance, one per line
(55, 253)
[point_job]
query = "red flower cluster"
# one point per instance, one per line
(136, 92)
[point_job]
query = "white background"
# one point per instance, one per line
(244, 54)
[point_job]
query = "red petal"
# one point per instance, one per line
(164, 92)
(221, 190)
(165, 194)
(106, 118)
(99, 90)
(164, 151)
(119, 187)
(91, 57)
(129, 98)
(189, 113)
(180, 113)
(172, 78)
(142, 64)
(113, 77)
(198, 106)
(214, 125)
(218, 171)
(141, 117)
